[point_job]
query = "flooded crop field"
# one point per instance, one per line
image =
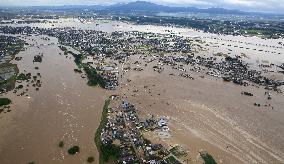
(207, 93)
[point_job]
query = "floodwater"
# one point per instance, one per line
(206, 113)
(64, 109)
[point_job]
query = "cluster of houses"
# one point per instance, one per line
(125, 129)
(232, 69)
(165, 49)
(9, 47)
(6, 73)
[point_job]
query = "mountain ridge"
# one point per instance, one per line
(152, 7)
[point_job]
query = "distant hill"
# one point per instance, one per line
(136, 7)
(144, 6)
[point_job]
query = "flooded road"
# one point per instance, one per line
(64, 109)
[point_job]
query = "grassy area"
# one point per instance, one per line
(208, 159)
(107, 152)
(11, 49)
(93, 77)
(78, 59)
(172, 160)
(73, 150)
(82, 57)
(24, 77)
(9, 84)
(5, 101)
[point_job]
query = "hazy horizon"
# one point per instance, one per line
(273, 6)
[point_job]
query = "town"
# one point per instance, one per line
(111, 50)
(121, 137)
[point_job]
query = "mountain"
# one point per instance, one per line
(135, 7)
(138, 6)
(143, 6)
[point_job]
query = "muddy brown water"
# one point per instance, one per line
(64, 108)
(207, 113)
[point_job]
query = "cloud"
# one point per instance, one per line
(251, 5)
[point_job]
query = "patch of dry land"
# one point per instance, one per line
(204, 112)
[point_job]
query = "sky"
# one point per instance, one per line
(276, 6)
